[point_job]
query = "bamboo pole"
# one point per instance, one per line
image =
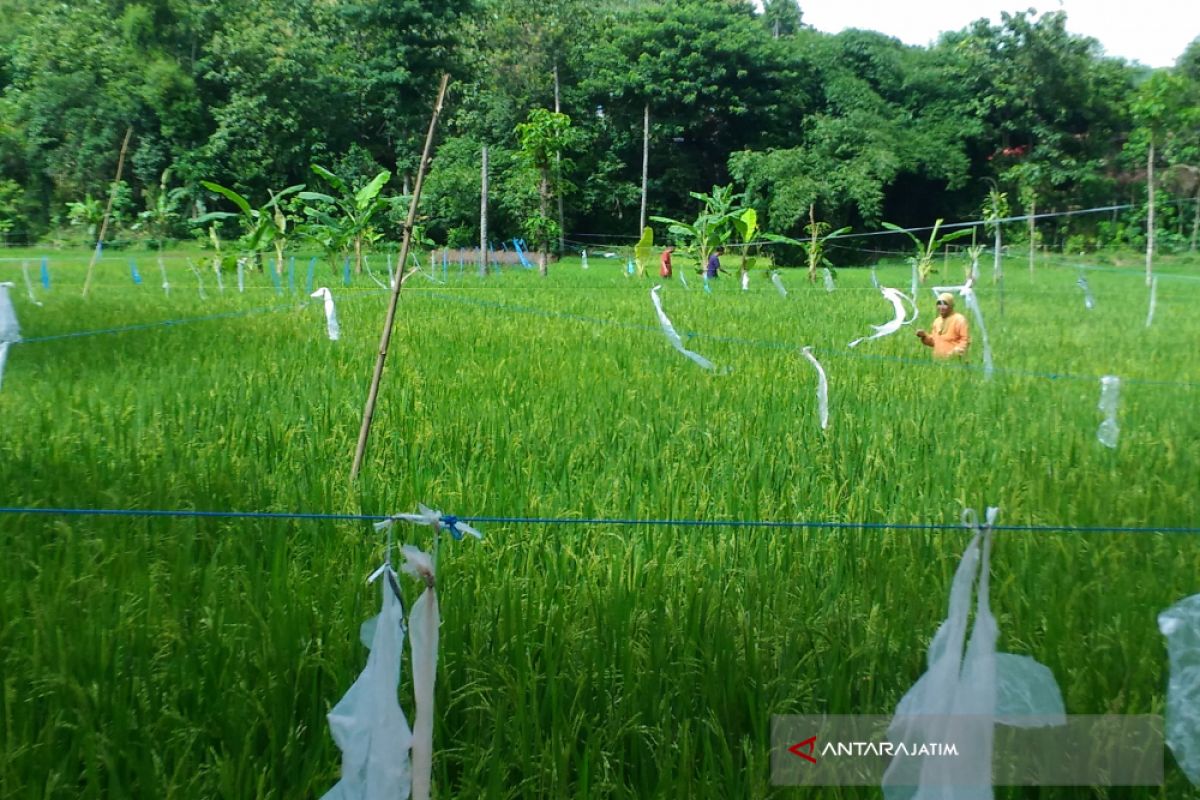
(373, 394)
(112, 193)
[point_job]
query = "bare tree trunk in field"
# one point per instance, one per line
(358, 255)
(544, 194)
(562, 243)
(483, 209)
(812, 248)
(645, 166)
(1032, 234)
(1150, 212)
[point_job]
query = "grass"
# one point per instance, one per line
(197, 657)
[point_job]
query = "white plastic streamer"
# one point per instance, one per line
(828, 275)
(28, 283)
(241, 274)
(968, 294)
(745, 281)
(584, 255)
(913, 290)
(778, 283)
(1181, 625)
(875, 279)
(367, 723)
(220, 280)
(822, 388)
(331, 322)
(672, 336)
(683, 279)
(1110, 390)
(1153, 299)
(10, 330)
(1088, 301)
(166, 285)
(898, 299)
(961, 696)
(423, 623)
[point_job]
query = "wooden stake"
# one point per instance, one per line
(112, 193)
(373, 394)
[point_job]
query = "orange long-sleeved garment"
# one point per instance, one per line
(949, 336)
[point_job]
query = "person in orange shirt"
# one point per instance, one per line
(948, 336)
(665, 270)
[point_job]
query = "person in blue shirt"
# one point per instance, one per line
(714, 263)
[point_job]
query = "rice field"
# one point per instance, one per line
(622, 657)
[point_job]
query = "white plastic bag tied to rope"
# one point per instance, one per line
(745, 281)
(423, 623)
(433, 518)
(1088, 301)
(367, 723)
(827, 273)
(875, 279)
(331, 323)
(778, 283)
(968, 294)
(10, 330)
(28, 283)
(898, 300)
(913, 285)
(683, 280)
(1181, 625)
(671, 335)
(1110, 390)
(962, 696)
(241, 274)
(822, 389)
(583, 254)
(1153, 299)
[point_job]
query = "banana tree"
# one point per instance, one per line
(923, 257)
(263, 226)
(713, 226)
(643, 251)
(813, 247)
(344, 220)
(746, 225)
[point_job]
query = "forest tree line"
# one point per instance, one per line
(855, 128)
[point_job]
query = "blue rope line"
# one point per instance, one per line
(149, 325)
(776, 345)
(673, 523)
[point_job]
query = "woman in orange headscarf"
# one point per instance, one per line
(948, 336)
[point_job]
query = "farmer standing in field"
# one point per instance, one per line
(665, 270)
(714, 263)
(948, 336)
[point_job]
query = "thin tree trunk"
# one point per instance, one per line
(645, 165)
(357, 255)
(483, 216)
(1150, 213)
(813, 252)
(87, 282)
(1195, 221)
(1032, 233)
(562, 242)
(544, 192)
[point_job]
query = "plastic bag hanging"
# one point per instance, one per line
(367, 723)
(583, 255)
(10, 330)
(1089, 302)
(778, 283)
(827, 274)
(29, 283)
(1181, 625)
(1110, 390)
(1153, 300)
(961, 697)
(822, 389)
(745, 281)
(898, 299)
(669, 330)
(423, 623)
(331, 322)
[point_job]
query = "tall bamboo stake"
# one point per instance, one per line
(112, 193)
(373, 394)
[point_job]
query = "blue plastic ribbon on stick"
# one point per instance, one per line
(133, 272)
(45, 274)
(312, 267)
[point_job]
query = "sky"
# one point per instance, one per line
(1153, 32)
